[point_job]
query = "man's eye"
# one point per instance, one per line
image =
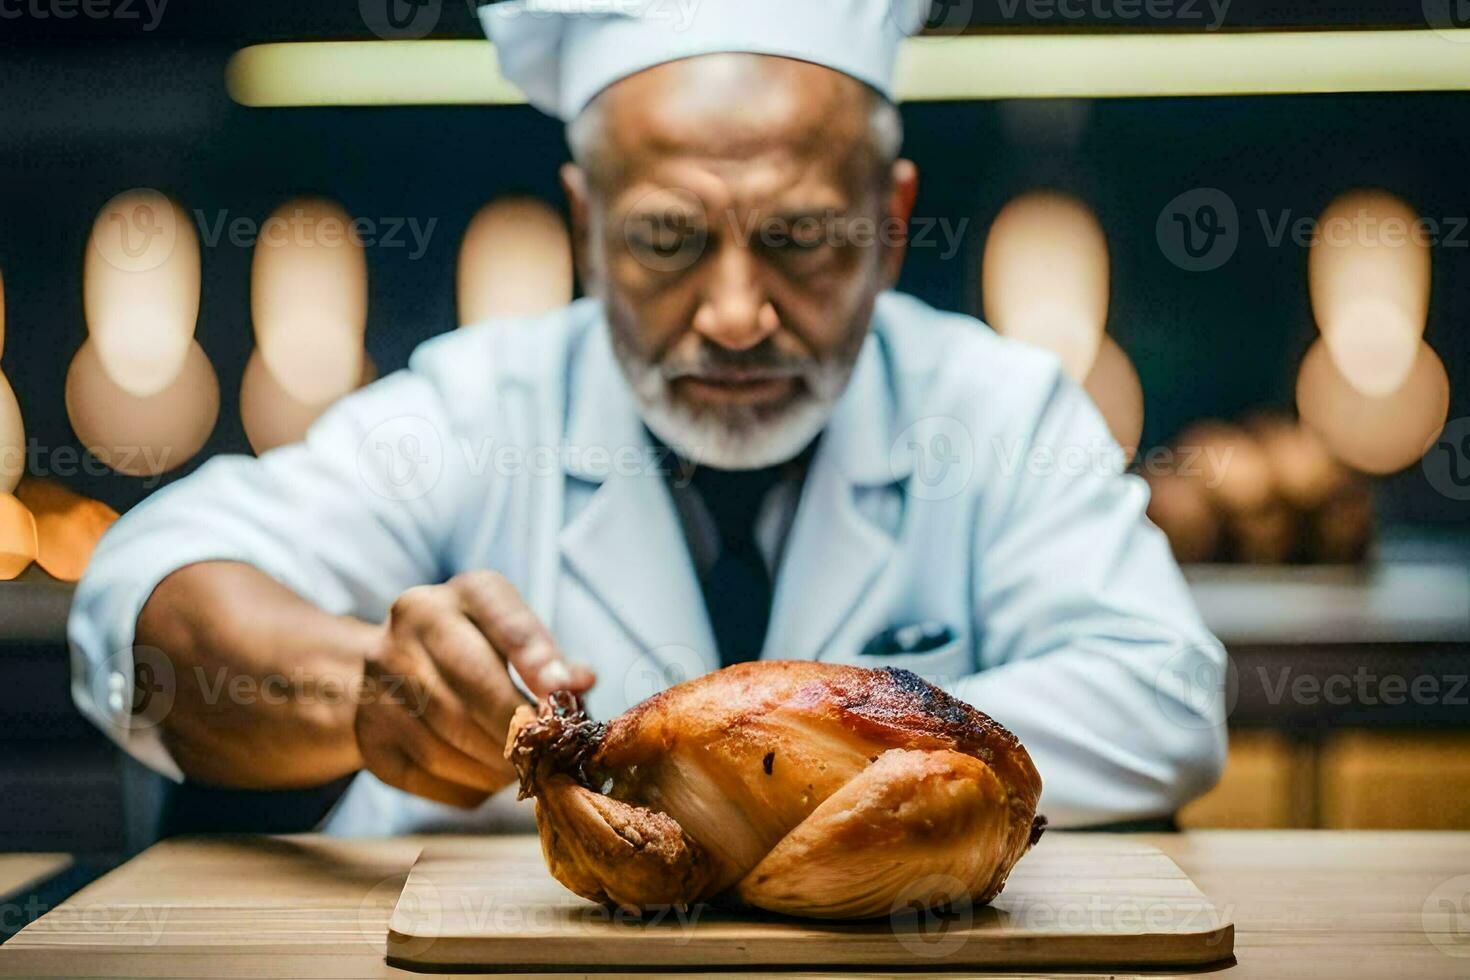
(666, 245)
(798, 238)
(665, 237)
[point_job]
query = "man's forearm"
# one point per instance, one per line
(266, 683)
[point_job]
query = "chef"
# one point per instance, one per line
(740, 444)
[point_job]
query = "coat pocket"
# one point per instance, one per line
(941, 658)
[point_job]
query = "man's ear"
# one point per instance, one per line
(903, 187)
(574, 183)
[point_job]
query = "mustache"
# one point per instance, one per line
(759, 363)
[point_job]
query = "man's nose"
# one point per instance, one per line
(735, 312)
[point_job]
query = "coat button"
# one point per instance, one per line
(116, 692)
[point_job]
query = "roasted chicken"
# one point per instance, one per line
(802, 788)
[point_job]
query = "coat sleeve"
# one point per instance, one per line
(349, 518)
(1089, 643)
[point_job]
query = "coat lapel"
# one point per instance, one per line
(836, 552)
(626, 544)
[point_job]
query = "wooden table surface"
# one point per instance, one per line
(1305, 904)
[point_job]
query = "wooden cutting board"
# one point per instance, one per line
(1074, 900)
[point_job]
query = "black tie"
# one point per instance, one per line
(737, 588)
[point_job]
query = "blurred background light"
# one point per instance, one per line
(140, 289)
(1044, 277)
(12, 427)
(1114, 387)
(271, 415)
(68, 526)
(1368, 271)
(142, 435)
(308, 299)
(17, 537)
(12, 438)
(369, 73)
(1016, 66)
(1374, 434)
(515, 260)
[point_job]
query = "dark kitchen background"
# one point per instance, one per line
(91, 107)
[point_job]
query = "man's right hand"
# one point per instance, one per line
(438, 695)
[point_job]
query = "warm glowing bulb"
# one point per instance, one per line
(1045, 277)
(140, 289)
(68, 526)
(1115, 389)
(270, 415)
(1369, 275)
(12, 438)
(17, 537)
(1375, 434)
(142, 435)
(515, 260)
(308, 299)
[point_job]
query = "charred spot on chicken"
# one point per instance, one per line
(884, 780)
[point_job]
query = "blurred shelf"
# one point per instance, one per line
(33, 608)
(1385, 602)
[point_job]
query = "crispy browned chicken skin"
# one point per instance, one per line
(804, 788)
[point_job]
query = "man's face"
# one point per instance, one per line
(738, 228)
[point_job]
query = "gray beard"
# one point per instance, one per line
(735, 437)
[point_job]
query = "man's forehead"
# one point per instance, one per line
(733, 107)
(692, 185)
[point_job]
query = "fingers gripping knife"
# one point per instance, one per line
(802, 788)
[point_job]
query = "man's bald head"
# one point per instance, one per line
(732, 106)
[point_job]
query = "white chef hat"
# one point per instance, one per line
(561, 53)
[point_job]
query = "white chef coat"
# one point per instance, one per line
(963, 485)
